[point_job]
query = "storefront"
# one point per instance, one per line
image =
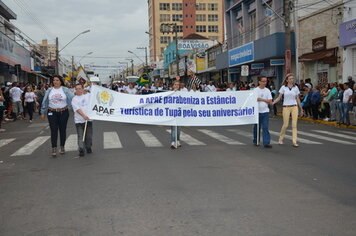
(347, 36)
(321, 64)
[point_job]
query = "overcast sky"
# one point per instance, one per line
(116, 26)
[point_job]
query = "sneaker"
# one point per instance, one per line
(295, 145)
(268, 146)
(280, 142)
(178, 144)
(173, 146)
(89, 150)
(30, 121)
(326, 119)
(2, 130)
(62, 150)
(54, 152)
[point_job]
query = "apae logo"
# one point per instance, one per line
(104, 99)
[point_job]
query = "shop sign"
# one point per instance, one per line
(347, 33)
(319, 44)
(277, 62)
(257, 66)
(12, 53)
(194, 45)
(241, 55)
(235, 71)
(244, 70)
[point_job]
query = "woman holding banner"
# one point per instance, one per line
(175, 130)
(56, 104)
(291, 102)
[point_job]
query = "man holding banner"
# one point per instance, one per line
(264, 97)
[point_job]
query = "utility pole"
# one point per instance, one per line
(287, 25)
(72, 78)
(172, 28)
(57, 57)
(146, 60)
(296, 35)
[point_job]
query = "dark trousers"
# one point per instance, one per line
(1, 114)
(58, 121)
(315, 111)
(263, 119)
(29, 108)
(88, 136)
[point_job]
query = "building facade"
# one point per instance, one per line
(318, 45)
(204, 17)
(48, 50)
(256, 38)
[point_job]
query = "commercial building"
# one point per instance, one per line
(319, 52)
(48, 50)
(347, 36)
(204, 17)
(256, 38)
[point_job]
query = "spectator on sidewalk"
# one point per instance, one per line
(340, 104)
(315, 102)
(354, 103)
(325, 106)
(80, 104)
(306, 104)
(332, 98)
(347, 101)
(2, 99)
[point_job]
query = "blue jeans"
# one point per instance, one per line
(263, 119)
(340, 107)
(173, 133)
(347, 108)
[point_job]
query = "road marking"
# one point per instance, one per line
(323, 137)
(71, 143)
(301, 140)
(348, 132)
(247, 134)
(220, 137)
(38, 125)
(148, 139)
(336, 134)
(111, 140)
(4, 142)
(29, 148)
(188, 139)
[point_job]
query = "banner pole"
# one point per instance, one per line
(85, 130)
(176, 144)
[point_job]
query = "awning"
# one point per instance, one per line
(326, 54)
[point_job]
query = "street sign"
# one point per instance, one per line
(244, 70)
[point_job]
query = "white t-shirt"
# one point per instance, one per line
(290, 95)
(184, 89)
(30, 97)
(196, 91)
(131, 91)
(57, 98)
(15, 94)
(210, 88)
(81, 102)
(347, 94)
(264, 93)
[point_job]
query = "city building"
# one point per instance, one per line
(318, 45)
(256, 38)
(48, 50)
(347, 36)
(205, 17)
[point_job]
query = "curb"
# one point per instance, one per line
(335, 124)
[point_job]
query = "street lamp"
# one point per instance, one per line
(132, 66)
(136, 56)
(89, 53)
(58, 51)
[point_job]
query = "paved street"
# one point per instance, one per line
(218, 183)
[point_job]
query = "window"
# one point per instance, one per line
(177, 17)
(201, 28)
(164, 6)
(212, 6)
(213, 28)
(253, 25)
(201, 7)
(179, 28)
(177, 6)
(200, 17)
(213, 17)
(165, 39)
(214, 38)
(164, 17)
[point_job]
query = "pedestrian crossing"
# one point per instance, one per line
(189, 137)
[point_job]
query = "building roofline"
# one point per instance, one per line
(6, 12)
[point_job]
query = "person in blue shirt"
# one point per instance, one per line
(315, 102)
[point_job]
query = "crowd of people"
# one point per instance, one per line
(331, 102)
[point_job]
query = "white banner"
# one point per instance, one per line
(175, 108)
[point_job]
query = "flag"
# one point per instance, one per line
(82, 77)
(193, 80)
(144, 79)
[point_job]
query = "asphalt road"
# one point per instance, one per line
(221, 185)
